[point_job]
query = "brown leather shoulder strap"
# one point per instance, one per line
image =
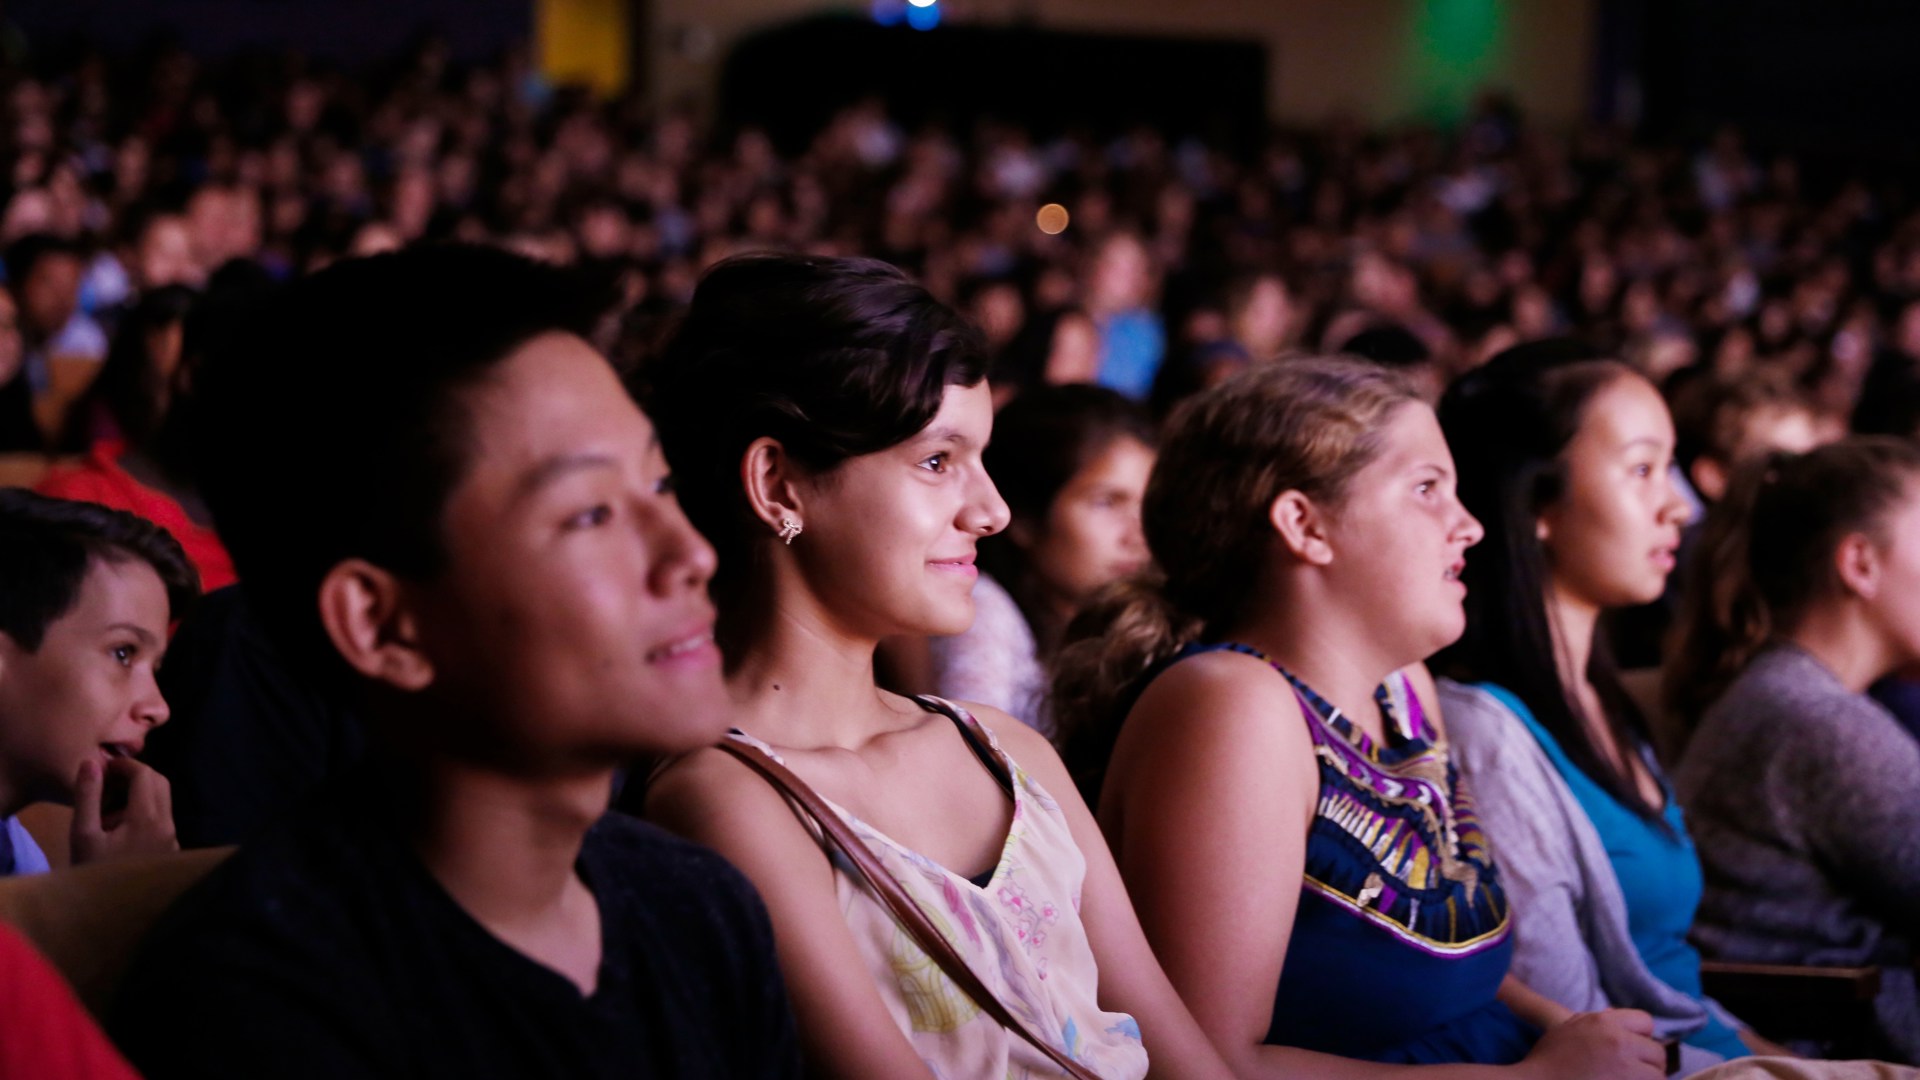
(905, 911)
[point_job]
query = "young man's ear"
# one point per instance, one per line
(1300, 527)
(363, 609)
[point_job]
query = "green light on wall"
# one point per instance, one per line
(1458, 47)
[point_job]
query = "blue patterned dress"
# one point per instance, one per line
(1402, 936)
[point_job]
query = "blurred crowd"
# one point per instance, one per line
(1165, 263)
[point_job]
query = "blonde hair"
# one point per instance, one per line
(1304, 425)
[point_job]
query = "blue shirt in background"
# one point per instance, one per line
(1132, 345)
(18, 853)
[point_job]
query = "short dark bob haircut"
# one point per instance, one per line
(833, 357)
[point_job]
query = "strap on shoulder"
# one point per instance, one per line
(890, 893)
(977, 737)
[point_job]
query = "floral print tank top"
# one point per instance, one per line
(1020, 932)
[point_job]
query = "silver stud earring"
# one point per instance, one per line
(789, 529)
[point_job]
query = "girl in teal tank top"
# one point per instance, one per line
(1567, 456)
(1659, 876)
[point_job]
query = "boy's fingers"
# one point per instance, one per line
(87, 789)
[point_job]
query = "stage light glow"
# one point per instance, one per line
(923, 18)
(1052, 219)
(923, 3)
(889, 12)
(1455, 48)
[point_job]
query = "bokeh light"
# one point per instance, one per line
(1052, 219)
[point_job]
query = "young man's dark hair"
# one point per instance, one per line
(438, 495)
(345, 392)
(835, 357)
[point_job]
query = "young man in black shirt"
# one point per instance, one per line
(445, 510)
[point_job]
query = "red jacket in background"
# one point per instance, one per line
(100, 479)
(45, 1033)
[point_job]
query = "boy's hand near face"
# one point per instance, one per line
(123, 810)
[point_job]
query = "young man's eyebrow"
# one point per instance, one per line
(554, 468)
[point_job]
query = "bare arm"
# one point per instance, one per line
(845, 1027)
(1210, 798)
(1532, 1006)
(1131, 980)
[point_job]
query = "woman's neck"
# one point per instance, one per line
(801, 679)
(1842, 641)
(1573, 623)
(1332, 653)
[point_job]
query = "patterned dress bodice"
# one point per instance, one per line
(1403, 933)
(1020, 932)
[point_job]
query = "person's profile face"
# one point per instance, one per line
(1400, 537)
(889, 540)
(51, 293)
(1612, 535)
(1894, 607)
(1092, 535)
(166, 255)
(572, 610)
(89, 691)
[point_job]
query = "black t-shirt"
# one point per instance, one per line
(249, 739)
(326, 949)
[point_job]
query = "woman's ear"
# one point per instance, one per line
(1301, 527)
(365, 612)
(1857, 560)
(769, 477)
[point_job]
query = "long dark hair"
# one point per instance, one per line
(1303, 425)
(1766, 555)
(1508, 424)
(131, 390)
(1041, 441)
(834, 357)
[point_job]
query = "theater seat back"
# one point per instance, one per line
(89, 920)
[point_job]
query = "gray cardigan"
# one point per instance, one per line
(1804, 802)
(1571, 942)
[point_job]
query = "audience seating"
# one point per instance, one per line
(1830, 1005)
(23, 470)
(89, 920)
